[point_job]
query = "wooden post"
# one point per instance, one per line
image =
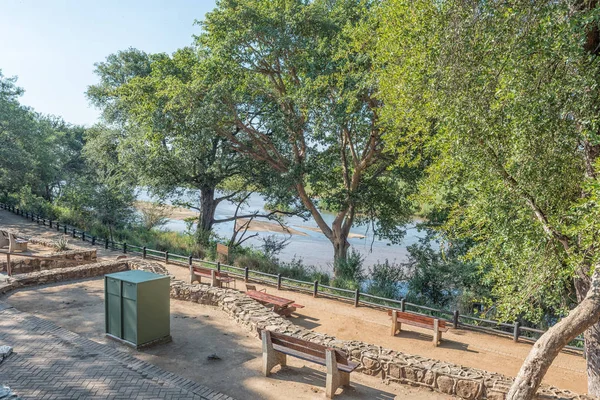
(50, 223)
(402, 306)
(106, 243)
(316, 289)
(144, 252)
(83, 235)
(356, 297)
(271, 357)
(166, 257)
(335, 378)
(516, 331)
(93, 240)
(278, 281)
(124, 247)
(396, 326)
(246, 273)
(192, 277)
(8, 266)
(219, 266)
(437, 335)
(213, 278)
(455, 319)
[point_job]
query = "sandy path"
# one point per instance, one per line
(473, 349)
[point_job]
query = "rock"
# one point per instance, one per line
(467, 389)
(445, 384)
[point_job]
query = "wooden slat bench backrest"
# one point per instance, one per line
(419, 319)
(304, 346)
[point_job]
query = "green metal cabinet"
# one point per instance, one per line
(137, 307)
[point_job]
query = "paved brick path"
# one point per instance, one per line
(50, 362)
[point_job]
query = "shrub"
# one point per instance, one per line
(61, 244)
(348, 272)
(385, 279)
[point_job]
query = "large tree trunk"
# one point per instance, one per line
(549, 345)
(340, 248)
(592, 341)
(206, 219)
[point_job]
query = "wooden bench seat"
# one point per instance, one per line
(217, 278)
(277, 346)
(422, 321)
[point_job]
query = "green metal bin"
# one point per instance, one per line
(137, 308)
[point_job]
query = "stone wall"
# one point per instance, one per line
(74, 256)
(62, 274)
(392, 366)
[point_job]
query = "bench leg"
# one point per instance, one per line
(271, 358)
(214, 281)
(437, 335)
(335, 377)
(396, 326)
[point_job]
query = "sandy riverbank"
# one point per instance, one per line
(182, 214)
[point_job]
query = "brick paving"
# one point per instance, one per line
(50, 362)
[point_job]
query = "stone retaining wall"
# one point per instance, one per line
(392, 366)
(74, 256)
(63, 274)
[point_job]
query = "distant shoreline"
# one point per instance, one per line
(181, 214)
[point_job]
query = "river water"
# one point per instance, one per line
(314, 248)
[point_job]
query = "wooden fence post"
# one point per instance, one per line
(516, 331)
(278, 281)
(356, 297)
(106, 243)
(166, 257)
(455, 319)
(402, 305)
(246, 273)
(144, 252)
(218, 266)
(50, 222)
(93, 240)
(124, 247)
(316, 289)
(83, 235)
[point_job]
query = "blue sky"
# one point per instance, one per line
(52, 45)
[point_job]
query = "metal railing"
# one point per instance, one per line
(514, 330)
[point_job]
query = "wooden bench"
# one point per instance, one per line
(16, 244)
(436, 325)
(216, 278)
(276, 346)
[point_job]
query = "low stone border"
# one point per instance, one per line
(391, 365)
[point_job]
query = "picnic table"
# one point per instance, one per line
(280, 305)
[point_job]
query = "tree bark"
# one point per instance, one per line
(585, 315)
(206, 219)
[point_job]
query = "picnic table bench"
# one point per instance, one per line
(217, 277)
(277, 346)
(436, 325)
(281, 305)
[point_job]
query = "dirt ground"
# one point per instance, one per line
(198, 332)
(468, 348)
